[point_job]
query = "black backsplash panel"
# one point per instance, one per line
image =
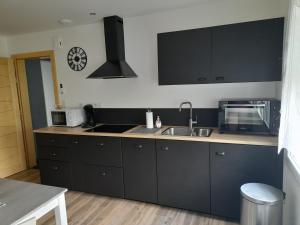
(169, 116)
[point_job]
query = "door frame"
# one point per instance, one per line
(23, 98)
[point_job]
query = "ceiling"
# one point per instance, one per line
(23, 16)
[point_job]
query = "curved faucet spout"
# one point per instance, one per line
(191, 121)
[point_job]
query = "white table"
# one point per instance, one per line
(25, 201)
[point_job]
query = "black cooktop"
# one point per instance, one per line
(112, 128)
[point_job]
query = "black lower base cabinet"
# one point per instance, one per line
(183, 174)
(198, 176)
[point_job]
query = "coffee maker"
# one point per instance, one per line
(89, 116)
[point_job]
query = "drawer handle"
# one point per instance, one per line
(55, 168)
(202, 79)
(100, 144)
(140, 147)
(53, 154)
(103, 174)
(220, 78)
(52, 140)
(166, 148)
(220, 153)
(76, 142)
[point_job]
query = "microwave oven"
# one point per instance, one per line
(69, 117)
(251, 116)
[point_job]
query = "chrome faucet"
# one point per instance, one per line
(191, 121)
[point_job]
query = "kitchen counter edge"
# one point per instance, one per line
(215, 137)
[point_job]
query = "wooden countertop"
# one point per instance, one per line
(215, 137)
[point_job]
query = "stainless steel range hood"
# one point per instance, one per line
(115, 66)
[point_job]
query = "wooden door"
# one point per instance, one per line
(12, 155)
(26, 113)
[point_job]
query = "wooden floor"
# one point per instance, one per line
(89, 209)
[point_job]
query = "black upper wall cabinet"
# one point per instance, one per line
(184, 57)
(243, 52)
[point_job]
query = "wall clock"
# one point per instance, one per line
(77, 58)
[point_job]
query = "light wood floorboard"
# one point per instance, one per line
(89, 209)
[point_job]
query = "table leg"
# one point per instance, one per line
(61, 212)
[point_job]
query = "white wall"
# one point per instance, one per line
(292, 189)
(3, 47)
(141, 54)
(48, 89)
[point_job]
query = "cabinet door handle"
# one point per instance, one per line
(101, 145)
(220, 153)
(76, 142)
(202, 79)
(220, 78)
(52, 140)
(140, 147)
(53, 154)
(55, 168)
(103, 174)
(165, 148)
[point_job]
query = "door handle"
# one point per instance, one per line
(220, 153)
(220, 78)
(140, 147)
(202, 79)
(55, 168)
(101, 145)
(165, 148)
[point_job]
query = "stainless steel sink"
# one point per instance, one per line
(202, 132)
(186, 131)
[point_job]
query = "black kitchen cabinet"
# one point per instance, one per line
(183, 174)
(243, 52)
(139, 157)
(233, 165)
(104, 180)
(105, 151)
(184, 57)
(77, 148)
(55, 173)
(248, 52)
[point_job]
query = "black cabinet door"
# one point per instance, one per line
(139, 157)
(247, 52)
(104, 180)
(103, 151)
(183, 174)
(55, 173)
(234, 165)
(78, 149)
(184, 57)
(54, 140)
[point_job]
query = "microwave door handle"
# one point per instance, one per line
(243, 105)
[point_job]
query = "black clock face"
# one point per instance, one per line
(77, 59)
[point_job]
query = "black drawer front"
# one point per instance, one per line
(53, 153)
(139, 157)
(104, 180)
(103, 151)
(55, 173)
(52, 140)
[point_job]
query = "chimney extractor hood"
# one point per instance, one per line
(115, 66)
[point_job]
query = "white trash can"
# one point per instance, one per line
(261, 204)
